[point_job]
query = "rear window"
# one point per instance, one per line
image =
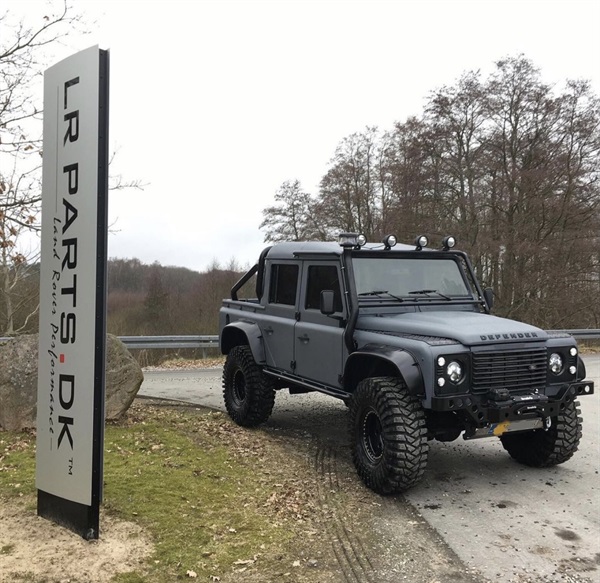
(284, 284)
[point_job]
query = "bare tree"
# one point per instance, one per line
(27, 48)
(510, 165)
(350, 194)
(24, 54)
(293, 217)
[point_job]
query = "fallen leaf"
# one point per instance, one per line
(246, 562)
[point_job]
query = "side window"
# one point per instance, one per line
(283, 285)
(322, 277)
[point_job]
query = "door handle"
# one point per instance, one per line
(304, 338)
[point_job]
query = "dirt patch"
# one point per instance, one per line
(32, 548)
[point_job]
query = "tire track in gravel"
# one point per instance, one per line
(350, 553)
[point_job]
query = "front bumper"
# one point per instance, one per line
(500, 406)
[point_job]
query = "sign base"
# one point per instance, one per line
(81, 519)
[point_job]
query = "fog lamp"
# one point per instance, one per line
(421, 241)
(448, 242)
(390, 241)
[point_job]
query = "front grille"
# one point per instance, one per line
(515, 370)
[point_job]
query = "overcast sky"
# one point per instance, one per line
(215, 104)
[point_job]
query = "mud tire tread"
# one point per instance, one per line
(259, 391)
(555, 446)
(404, 435)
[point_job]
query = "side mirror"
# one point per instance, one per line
(488, 296)
(327, 302)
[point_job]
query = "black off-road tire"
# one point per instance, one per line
(388, 435)
(541, 448)
(248, 393)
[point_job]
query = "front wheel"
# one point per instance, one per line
(388, 435)
(248, 393)
(542, 448)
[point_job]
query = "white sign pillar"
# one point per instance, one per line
(72, 328)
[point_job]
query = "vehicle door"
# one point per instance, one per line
(319, 339)
(280, 314)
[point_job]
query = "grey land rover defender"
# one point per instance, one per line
(404, 335)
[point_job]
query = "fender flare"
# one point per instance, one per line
(388, 358)
(243, 333)
(581, 372)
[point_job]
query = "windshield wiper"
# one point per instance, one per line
(380, 293)
(426, 292)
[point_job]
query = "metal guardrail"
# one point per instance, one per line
(212, 341)
(582, 334)
(147, 342)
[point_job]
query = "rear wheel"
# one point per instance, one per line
(388, 435)
(248, 393)
(543, 448)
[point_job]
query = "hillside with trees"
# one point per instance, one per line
(143, 299)
(158, 300)
(509, 165)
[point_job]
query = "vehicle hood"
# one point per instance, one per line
(468, 328)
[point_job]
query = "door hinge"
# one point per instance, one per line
(297, 316)
(293, 365)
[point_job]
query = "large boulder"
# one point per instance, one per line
(18, 381)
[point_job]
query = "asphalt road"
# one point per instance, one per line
(506, 520)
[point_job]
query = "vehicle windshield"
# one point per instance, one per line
(409, 278)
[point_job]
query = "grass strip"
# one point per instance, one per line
(214, 498)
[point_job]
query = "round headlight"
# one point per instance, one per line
(454, 372)
(361, 240)
(555, 363)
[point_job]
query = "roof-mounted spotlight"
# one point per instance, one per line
(420, 242)
(448, 242)
(389, 241)
(351, 240)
